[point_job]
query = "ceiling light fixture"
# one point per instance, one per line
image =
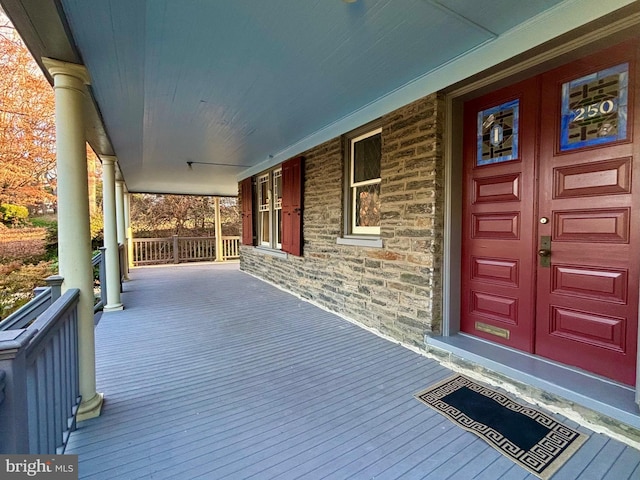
(190, 164)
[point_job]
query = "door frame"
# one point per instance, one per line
(540, 59)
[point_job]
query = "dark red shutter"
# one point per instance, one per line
(246, 190)
(292, 183)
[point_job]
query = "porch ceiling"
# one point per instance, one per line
(245, 84)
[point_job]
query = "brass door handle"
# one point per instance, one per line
(544, 253)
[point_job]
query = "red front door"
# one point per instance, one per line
(551, 215)
(498, 228)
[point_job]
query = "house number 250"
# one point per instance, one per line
(593, 110)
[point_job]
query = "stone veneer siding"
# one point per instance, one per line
(396, 289)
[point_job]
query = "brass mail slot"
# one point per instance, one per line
(490, 329)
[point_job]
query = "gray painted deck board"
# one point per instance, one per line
(624, 465)
(604, 460)
(211, 373)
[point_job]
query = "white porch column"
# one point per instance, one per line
(122, 236)
(128, 229)
(112, 265)
(74, 235)
(218, 230)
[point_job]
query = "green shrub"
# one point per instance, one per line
(52, 241)
(50, 223)
(45, 222)
(13, 214)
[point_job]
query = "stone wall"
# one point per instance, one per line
(395, 289)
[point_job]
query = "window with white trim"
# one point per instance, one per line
(269, 186)
(365, 153)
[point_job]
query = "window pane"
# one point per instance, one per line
(366, 161)
(263, 193)
(264, 227)
(367, 205)
(277, 189)
(279, 227)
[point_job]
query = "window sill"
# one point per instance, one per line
(270, 251)
(370, 242)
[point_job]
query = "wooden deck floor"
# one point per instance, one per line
(211, 373)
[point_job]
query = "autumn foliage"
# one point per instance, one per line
(187, 215)
(22, 243)
(27, 169)
(27, 125)
(22, 265)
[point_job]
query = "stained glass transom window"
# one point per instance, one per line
(594, 108)
(498, 133)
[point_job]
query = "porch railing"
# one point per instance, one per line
(39, 382)
(101, 278)
(230, 248)
(175, 249)
(100, 275)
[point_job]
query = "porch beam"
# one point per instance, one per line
(112, 262)
(74, 234)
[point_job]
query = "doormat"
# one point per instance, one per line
(527, 436)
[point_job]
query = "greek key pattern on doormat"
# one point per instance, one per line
(555, 442)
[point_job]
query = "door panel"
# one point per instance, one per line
(498, 265)
(591, 179)
(604, 285)
(610, 225)
(587, 301)
(491, 270)
(505, 188)
(588, 328)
